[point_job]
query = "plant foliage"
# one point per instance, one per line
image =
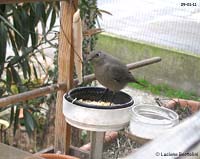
(24, 27)
(29, 29)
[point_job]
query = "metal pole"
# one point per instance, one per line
(97, 140)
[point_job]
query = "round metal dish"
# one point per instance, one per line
(93, 117)
(150, 121)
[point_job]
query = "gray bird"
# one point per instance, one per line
(110, 72)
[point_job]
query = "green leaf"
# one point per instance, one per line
(103, 11)
(34, 38)
(28, 67)
(2, 91)
(18, 26)
(14, 60)
(33, 16)
(25, 26)
(24, 69)
(8, 79)
(48, 11)
(15, 76)
(12, 113)
(53, 19)
(12, 40)
(2, 8)
(29, 121)
(16, 120)
(3, 45)
(40, 11)
(22, 24)
(10, 25)
(40, 64)
(35, 72)
(24, 62)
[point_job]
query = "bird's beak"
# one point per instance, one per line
(89, 57)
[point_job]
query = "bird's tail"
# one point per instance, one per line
(136, 81)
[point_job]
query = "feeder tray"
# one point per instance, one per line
(94, 117)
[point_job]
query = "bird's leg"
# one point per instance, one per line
(112, 98)
(104, 93)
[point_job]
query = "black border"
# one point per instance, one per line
(70, 99)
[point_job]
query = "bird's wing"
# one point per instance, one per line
(118, 72)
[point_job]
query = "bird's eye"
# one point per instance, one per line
(97, 54)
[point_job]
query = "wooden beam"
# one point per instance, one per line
(31, 94)
(63, 86)
(143, 63)
(65, 74)
(21, 1)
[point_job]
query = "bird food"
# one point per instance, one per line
(98, 103)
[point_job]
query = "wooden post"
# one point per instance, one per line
(65, 74)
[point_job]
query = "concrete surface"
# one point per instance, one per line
(178, 70)
(166, 23)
